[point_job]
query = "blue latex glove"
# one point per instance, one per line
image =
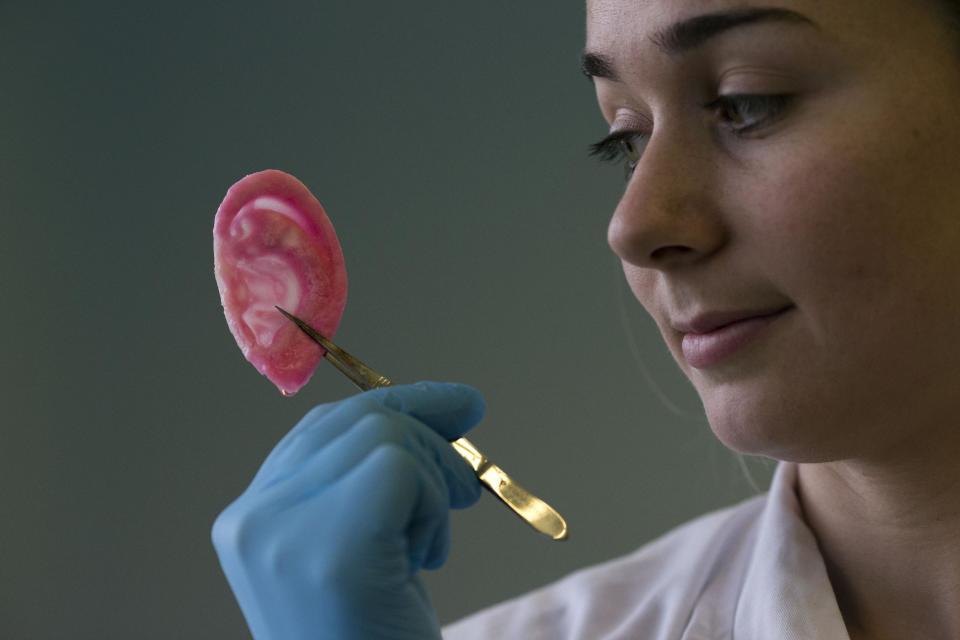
(328, 539)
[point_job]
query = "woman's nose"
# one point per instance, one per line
(669, 214)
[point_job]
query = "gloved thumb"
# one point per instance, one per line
(450, 409)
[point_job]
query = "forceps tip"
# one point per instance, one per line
(312, 333)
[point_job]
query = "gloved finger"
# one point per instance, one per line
(330, 464)
(439, 546)
(462, 482)
(307, 423)
(450, 409)
(463, 486)
(318, 428)
(433, 526)
(424, 532)
(402, 509)
(443, 404)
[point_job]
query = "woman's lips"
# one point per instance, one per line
(703, 350)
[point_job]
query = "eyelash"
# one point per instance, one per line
(611, 148)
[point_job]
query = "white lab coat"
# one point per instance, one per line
(748, 572)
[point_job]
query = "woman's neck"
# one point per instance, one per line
(889, 532)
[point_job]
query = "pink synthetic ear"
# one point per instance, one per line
(273, 244)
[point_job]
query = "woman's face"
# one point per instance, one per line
(842, 202)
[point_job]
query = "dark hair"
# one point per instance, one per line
(950, 10)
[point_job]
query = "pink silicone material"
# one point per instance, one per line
(273, 244)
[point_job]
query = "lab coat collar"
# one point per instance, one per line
(787, 594)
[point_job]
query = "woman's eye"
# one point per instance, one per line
(629, 151)
(621, 146)
(744, 113)
(747, 112)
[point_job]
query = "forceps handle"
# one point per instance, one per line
(531, 509)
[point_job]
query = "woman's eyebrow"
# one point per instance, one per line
(686, 35)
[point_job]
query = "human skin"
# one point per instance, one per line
(846, 205)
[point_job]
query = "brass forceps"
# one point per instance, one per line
(537, 513)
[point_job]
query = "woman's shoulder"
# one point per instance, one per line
(655, 589)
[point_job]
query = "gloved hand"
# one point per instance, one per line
(328, 539)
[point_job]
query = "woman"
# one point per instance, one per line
(792, 169)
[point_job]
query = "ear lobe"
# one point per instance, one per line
(275, 245)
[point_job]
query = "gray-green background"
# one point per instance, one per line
(447, 141)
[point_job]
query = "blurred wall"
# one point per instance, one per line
(448, 143)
